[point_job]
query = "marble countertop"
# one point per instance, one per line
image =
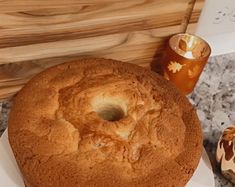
(214, 99)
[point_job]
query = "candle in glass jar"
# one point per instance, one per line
(184, 60)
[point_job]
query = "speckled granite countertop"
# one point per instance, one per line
(214, 99)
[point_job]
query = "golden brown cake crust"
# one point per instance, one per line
(98, 122)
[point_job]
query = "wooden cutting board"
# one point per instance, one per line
(35, 34)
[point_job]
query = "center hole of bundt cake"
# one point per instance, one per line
(109, 108)
(111, 112)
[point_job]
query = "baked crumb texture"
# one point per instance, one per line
(98, 122)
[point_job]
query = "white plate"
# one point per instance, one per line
(203, 176)
(10, 175)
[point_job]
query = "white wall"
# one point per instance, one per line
(217, 25)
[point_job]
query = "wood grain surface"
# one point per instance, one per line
(35, 35)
